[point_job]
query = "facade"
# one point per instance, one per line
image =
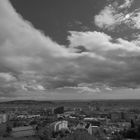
(81, 125)
(116, 116)
(130, 116)
(60, 125)
(24, 131)
(95, 131)
(3, 118)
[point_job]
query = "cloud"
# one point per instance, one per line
(32, 64)
(114, 15)
(105, 18)
(116, 63)
(32, 87)
(99, 41)
(81, 90)
(126, 4)
(109, 89)
(7, 77)
(22, 47)
(25, 50)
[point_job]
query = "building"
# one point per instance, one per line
(128, 116)
(95, 131)
(116, 116)
(81, 125)
(60, 125)
(93, 121)
(3, 118)
(24, 131)
(69, 113)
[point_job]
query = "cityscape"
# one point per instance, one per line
(69, 69)
(70, 120)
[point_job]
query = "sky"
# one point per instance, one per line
(67, 49)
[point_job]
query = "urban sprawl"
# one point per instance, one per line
(70, 120)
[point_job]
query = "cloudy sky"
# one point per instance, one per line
(69, 49)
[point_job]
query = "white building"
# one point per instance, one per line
(60, 125)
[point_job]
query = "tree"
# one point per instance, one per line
(44, 133)
(80, 134)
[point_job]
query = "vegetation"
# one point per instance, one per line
(79, 135)
(133, 132)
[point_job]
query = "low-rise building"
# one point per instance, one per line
(116, 116)
(3, 118)
(23, 131)
(59, 125)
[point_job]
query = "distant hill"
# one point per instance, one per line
(26, 102)
(75, 103)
